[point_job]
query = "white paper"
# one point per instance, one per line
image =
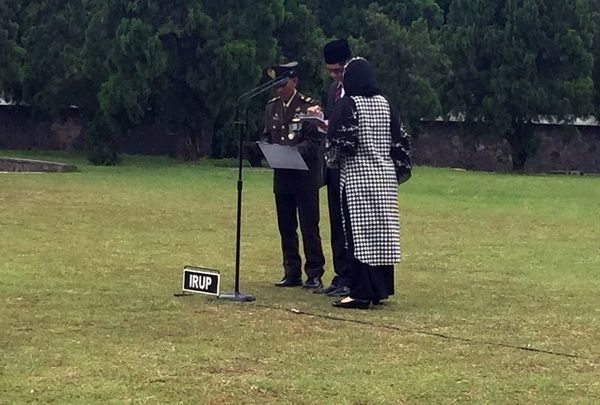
(307, 117)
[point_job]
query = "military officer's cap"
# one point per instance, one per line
(285, 70)
(337, 51)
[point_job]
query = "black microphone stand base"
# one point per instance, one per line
(237, 297)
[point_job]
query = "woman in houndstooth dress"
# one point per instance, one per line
(366, 140)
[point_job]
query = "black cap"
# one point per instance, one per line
(285, 70)
(337, 51)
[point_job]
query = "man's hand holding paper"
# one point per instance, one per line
(315, 114)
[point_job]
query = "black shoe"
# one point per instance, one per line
(340, 292)
(358, 304)
(289, 282)
(312, 283)
(325, 291)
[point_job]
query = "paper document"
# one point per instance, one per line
(282, 156)
(312, 118)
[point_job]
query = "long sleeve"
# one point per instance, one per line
(311, 141)
(342, 135)
(400, 150)
(266, 133)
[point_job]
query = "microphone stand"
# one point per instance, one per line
(278, 81)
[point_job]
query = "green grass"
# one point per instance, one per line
(89, 262)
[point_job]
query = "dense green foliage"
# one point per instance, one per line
(182, 64)
(596, 53)
(517, 61)
(10, 51)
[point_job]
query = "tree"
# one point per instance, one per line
(185, 61)
(50, 73)
(399, 38)
(11, 51)
(344, 18)
(445, 6)
(596, 54)
(407, 61)
(514, 62)
(299, 37)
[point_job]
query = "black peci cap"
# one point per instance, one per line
(337, 51)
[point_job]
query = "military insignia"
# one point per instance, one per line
(309, 100)
(295, 127)
(276, 115)
(298, 109)
(271, 73)
(291, 136)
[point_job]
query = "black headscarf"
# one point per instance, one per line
(359, 79)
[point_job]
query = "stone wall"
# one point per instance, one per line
(18, 130)
(443, 144)
(560, 151)
(451, 144)
(28, 165)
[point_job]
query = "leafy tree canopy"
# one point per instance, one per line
(517, 61)
(184, 63)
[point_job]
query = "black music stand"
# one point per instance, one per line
(236, 295)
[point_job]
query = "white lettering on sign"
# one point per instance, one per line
(198, 280)
(205, 282)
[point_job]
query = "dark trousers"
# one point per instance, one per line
(338, 240)
(305, 207)
(370, 283)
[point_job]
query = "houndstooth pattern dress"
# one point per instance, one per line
(368, 180)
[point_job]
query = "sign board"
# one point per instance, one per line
(201, 281)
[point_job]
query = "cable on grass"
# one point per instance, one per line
(425, 333)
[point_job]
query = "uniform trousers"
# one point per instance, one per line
(302, 206)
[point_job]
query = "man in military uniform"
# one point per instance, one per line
(296, 191)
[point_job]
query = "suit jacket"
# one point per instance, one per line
(283, 127)
(330, 178)
(331, 99)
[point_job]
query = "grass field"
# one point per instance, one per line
(497, 299)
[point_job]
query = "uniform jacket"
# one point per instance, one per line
(281, 128)
(331, 99)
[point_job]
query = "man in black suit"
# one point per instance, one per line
(296, 191)
(336, 53)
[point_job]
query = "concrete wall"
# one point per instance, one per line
(449, 144)
(444, 144)
(19, 131)
(28, 165)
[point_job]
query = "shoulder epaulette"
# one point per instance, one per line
(309, 100)
(273, 100)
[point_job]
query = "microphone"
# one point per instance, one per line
(280, 81)
(276, 82)
(283, 78)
